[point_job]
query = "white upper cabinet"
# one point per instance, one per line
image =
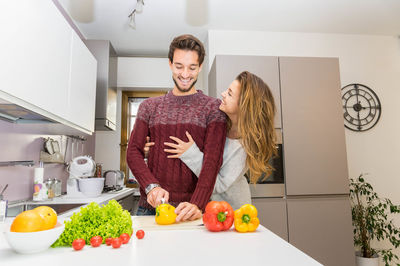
(82, 89)
(35, 53)
(45, 67)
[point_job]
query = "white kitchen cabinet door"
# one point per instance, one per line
(35, 54)
(82, 87)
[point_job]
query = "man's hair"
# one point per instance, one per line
(189, 43)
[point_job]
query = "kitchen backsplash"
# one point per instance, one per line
(24, 142)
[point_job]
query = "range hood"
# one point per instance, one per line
(106, 88)
(17, 114)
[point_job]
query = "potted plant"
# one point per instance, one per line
(371, 221)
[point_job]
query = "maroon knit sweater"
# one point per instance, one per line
(170, 115)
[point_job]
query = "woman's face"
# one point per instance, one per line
(230, 99)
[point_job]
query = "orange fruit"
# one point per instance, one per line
(27, 221)
(48, 215)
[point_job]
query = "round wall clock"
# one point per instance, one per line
(361, 107)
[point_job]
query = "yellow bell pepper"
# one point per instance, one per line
(246, 219)
(165, 214)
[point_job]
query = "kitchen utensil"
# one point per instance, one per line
(48, 146)
(4, 189)
(148, 223)
(34, 242)
(55, 146)
(72, 147)
(3, 205)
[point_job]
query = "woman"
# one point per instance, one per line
(250, 143)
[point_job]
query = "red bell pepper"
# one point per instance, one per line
(218, 216)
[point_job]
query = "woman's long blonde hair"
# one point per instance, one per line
(256, 124)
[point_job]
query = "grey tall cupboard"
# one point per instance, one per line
(314, 214)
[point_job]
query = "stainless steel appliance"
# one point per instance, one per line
(114, 179)
(273, 185)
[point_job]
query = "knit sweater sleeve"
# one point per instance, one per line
(233, 166)
(212, 161)
(135, 154)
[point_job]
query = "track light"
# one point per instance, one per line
(138, 9)
(131, 17)
(139, 6)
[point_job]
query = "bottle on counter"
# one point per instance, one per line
(57, 187)
(39, 188)
(99, 170)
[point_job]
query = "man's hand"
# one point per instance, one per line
(187, 212)
(155, 195)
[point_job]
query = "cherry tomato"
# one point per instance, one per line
(140, 234)
(78, 244)
(96, 241)
(124, 238)
(108, 241)
(116, 242)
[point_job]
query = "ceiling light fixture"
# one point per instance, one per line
(131, 17)
(139, 6)
(138, 9)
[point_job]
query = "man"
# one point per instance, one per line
(180, 110)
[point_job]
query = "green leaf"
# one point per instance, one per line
(110, 220)
(370, 220)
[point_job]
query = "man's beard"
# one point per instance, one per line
(184, 90)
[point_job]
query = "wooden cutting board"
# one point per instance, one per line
(149, 223)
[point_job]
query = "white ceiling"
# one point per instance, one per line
(161, 20)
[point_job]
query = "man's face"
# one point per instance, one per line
(185, 70)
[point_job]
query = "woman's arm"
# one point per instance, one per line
(232, 167)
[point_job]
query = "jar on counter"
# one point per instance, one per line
(57, 187)
(50, 188)
(99, 170)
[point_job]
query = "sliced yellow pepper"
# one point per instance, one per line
(165, 214)
(246, 219)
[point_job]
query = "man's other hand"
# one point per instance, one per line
(187, 212)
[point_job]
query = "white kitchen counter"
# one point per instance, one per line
(102, 199)
(173, 247)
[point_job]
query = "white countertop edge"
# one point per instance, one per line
(103, 199)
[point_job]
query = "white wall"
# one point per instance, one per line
(107, 143)
(370, 60)
(135, 73)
